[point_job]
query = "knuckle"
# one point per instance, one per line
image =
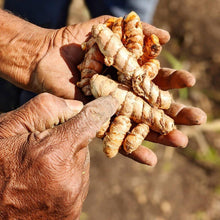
(93, 116)
(43, 98)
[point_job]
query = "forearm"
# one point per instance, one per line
(22, 45)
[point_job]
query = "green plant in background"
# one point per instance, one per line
(200, 215)
(210, 157)
(173, 61)
(167, 166)
(149, 145)
(217, 190)
(175, 64)
(83, 216)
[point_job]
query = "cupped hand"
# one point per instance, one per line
(183, 115)
(56, 72)
(44, 156)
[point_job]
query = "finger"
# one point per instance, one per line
(40, 113)
(82, 31)
(82, 128)
(185, 115)
(163, 35)
(174, 139)
(142, 155)
(174, 79)
(101, 19)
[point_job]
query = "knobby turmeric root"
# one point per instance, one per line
(120, 42)
(117, 55)
(91, 65)
(130, 32)
(133, 109)
(133, 34)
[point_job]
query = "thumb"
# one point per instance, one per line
(40, 113)
(79, 130)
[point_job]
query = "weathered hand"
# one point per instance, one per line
(44, 170)
(45, 60)
(58, 67)
(182, 115)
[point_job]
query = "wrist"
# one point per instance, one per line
(22, 45)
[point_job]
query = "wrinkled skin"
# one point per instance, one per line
(44, 170)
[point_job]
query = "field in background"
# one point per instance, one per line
(185, 184)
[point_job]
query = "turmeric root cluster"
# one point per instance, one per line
(120, 43)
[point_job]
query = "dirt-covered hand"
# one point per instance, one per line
(44, 156)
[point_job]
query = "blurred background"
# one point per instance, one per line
(185, 184)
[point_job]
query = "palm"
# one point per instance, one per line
(57, 71)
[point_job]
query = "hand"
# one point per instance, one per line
(52, 75)
(182, 115)
(45, 60)
(58, 67)
(54, 70)
(45, 170)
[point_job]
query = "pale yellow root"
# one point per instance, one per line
(93, 59)
(132, 108)
(133, 34)
(88, 44)
(158, 98)
(112, 48)
(130, 32)
(103, 129)
(151, 68)
(115, 137)
(135, 138)
(117, 55)
(131, 105)
(92, 64)
(136, 65)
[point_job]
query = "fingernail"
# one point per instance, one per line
(75, 106)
